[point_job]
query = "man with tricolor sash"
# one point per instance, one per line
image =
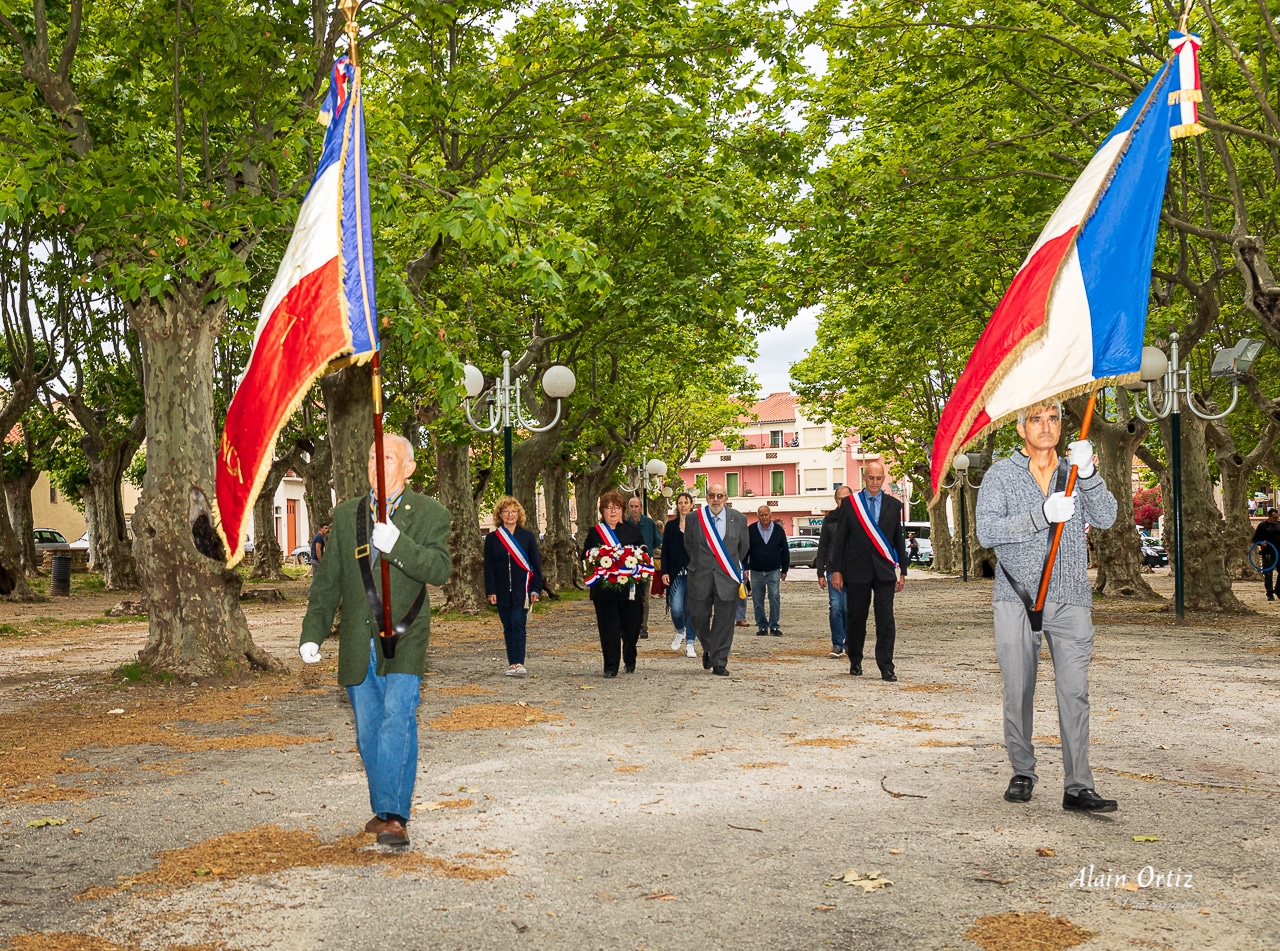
(869, 550)
(716, 541)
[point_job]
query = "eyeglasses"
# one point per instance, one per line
(716, 495)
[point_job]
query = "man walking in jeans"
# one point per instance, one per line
(768, 559)
(836, 603)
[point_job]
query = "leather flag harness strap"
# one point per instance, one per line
(1025, 594)
(364, 557)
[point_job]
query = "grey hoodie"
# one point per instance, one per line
(1010, 519)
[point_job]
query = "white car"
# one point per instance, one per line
(81, 543)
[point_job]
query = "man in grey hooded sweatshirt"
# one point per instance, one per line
(1020, 500)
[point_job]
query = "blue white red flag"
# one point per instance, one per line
(320, 306)
(1075, 314)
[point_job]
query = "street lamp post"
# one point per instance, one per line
(505, 405)
(655, 468)
(961, 464)
(1175, 386)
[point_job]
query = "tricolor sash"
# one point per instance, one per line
(718, 551)
(606, 534)
(517, 554)
(873, 530)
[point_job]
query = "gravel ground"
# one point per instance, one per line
(666, 810)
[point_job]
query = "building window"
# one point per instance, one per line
(53, 496)
(777, 482)
(775, 439)
(700, 485)
(731, 484)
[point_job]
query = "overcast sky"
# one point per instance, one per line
(778, 349)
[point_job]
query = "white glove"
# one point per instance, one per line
(1080, 455)
(1059, 507)
(310, 653)
(385, 536)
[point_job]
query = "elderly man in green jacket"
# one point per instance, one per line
(383, 690)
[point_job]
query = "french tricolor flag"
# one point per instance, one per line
(321, 306)
(1076, 311)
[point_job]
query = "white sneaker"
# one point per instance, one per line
(677, 642)
(689, 650)
(517, 670)
(834, 654)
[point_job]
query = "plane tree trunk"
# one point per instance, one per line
(192, 601)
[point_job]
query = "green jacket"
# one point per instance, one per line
(420, 557)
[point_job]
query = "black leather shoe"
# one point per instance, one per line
(644, 635)
(762, 632)
(1019, 789)
(631, 668)
(720, 671)
(611, 673)
(1086, 800)
(706, 661)
(855, 669)
(776, 633)
(890, 676)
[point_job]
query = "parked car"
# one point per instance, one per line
(804, 550)
(301, 555)
(48, 539)
(1153, 553)
(81, 543)
(921, 531)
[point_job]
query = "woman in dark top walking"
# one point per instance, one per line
(618, 609)
(512, 576)
(675, 575)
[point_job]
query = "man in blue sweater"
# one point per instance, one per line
(768, 559)
(1021, 499)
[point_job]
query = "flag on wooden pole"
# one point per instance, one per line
(1075, 314)
(320, 306)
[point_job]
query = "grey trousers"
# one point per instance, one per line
(1069, 631)
(713, 621)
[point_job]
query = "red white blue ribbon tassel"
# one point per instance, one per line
(1186, 47)
(517, 554)
(874, 532)
(718, 551)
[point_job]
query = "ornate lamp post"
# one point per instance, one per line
(1175, 386)
(961, 464)
(505, 405)
(655, 469)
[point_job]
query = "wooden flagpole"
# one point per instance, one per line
(349, 9)
(1057, 528)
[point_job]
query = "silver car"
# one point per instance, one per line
(804, 550)
(49, 539)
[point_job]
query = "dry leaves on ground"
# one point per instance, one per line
(1017, 931)
(868, 882)
(492, 716)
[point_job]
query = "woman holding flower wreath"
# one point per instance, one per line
(614, 557)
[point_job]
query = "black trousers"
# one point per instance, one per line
(1268, 578)
(859, 598)
(618, 621)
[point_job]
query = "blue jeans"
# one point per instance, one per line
(513, 630)
(678, 594)
(386, 711)
(770, 581)
(837, 612)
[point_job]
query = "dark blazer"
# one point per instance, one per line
(503, 575)
(675, 558)
(706, 579)
(628, 534)
(773, 555)
(822, 562)
(420, 557)
(852, 553)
